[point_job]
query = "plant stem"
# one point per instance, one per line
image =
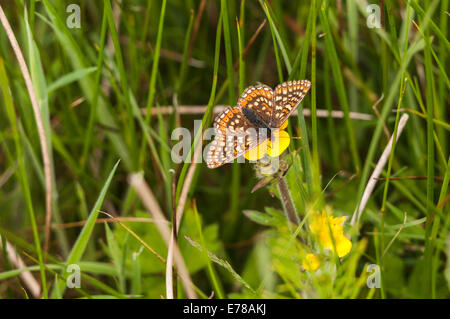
(288, 203)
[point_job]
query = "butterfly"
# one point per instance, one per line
(259, 111)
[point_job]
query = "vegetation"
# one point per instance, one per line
(88, 180)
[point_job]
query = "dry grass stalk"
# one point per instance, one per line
(26, 276)
(200, 109)
(377, 172)
(39, 123)
(137, 181)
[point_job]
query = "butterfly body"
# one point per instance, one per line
(260, 111)
(256, 120)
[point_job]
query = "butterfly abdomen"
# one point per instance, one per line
(261, 126)
(255, 119)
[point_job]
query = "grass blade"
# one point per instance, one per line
(83, 238)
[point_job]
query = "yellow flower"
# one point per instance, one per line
(311, 262)
(322, 224)
(273, 147)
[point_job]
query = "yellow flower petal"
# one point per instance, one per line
(256, 153)
(284, 125)
(338, 220)
(311, 262)
(329, 228)
(343, 246)
(279, 143)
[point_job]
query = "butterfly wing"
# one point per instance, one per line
(259, 99)
(288, 96)
(231, 121)
(225, 148)
(235, 135)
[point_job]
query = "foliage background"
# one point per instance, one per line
(129, 55)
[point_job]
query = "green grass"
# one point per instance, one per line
(102, 91)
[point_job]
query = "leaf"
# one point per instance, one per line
(80, 245)
(277, 215)
(69, 78)
(116, 255)
(262, 182)
(148, 233)
(258, 217)
(225, 264)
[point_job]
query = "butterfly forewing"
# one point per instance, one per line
(287, 96)
(231, 121)
(259, 99)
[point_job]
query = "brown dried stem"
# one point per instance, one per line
(39, 123)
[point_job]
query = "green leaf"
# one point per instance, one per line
(69, 78)
(116, 255)
(258, 217)
(83, 238)
(225, 264)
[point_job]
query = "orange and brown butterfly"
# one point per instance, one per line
(254, 127)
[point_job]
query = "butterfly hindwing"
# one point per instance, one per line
(288, 96)
(226, 147)
(215, 156)
(235, 135)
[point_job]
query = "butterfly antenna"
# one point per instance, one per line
(293, 137)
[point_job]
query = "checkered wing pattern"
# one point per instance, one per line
(235, 135)
(287, 96)
(231, 121)
(259, 99)
(225, 148)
